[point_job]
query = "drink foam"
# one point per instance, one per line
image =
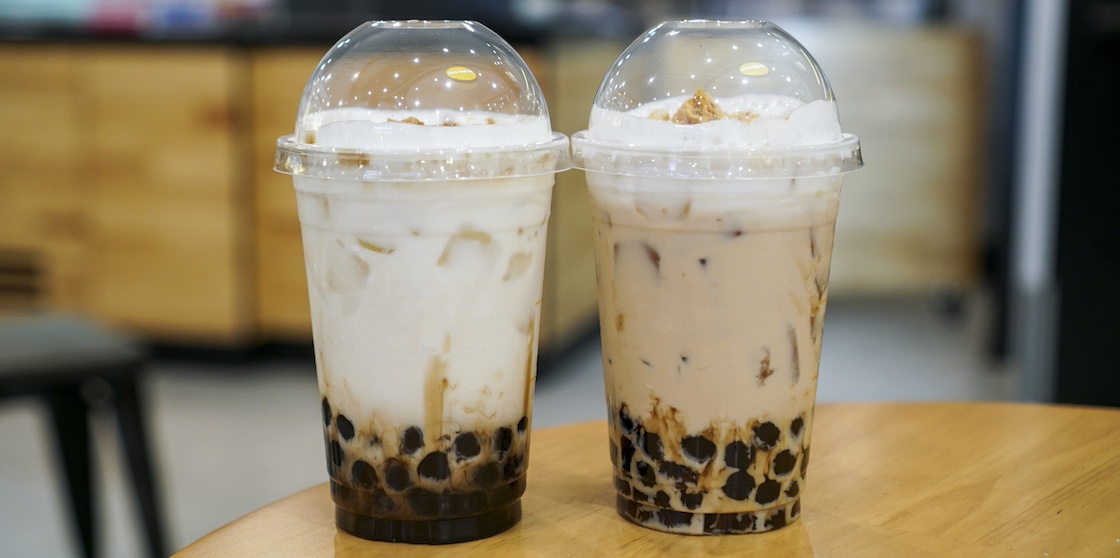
(753, 121)
(370, 129)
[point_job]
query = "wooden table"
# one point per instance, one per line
(939, 480)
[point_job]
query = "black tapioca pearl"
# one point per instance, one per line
(699, 448)
(382, 502)
(412, 441)
(345, 427)
(622, 487)
(467, 446)
(738, 455)
(434, 466)
(397, 475)
(523, 424)
(625, 421)
(804, 462)
(627, 454)
(336, 453)
(784, 462)
(661, 499)
(643, 515)
(670, 518)
(652, 446)
(646, 474)
(795, 509)
(766, 436)
(640, 496)
(796, 426)
(692, 500)
(488, 475)
(714, 522)
(512, 468)
(794, 489)
(614, 454)
(678, 472)
(364, 474)
(768, 491)
(739, 486)
(423, 501)
(503, 440)
(326, 412)
(777, 520)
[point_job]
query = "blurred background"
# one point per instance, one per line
(975, 254)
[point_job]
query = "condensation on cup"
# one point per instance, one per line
(714, 158)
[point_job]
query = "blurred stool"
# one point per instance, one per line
(53, 357)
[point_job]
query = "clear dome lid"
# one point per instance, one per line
(413, 99)
(726, 59)
(691, 90)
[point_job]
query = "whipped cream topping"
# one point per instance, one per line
(751, 121)
(373, 129)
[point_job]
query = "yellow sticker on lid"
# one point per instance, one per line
(754, 69)
(460, 73)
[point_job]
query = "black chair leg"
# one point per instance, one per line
(130, 417)
(72, 433)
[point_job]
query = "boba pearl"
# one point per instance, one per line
(412, 440)
(624, 420)
(503, 440)
(738, 455)
(739, 485)
(796, 426)
(487, 475)
(652, 446)
(794, 489)
(784, 462)
(364, 474)
(766, 436)
(679, 472)
(768, 491)
(646, 474)
(699, 448)
(326, 412)
(345, 427)
(336, 453)
(396, 475)
(434, 466)
(467, 446)
(692, 500)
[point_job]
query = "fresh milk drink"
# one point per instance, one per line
(423, 162)
(714, 159)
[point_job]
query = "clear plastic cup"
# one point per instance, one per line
(714, 160)
(423, 163)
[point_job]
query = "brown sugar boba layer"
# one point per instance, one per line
(404, 485)
(734, 478)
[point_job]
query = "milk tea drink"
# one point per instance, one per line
(423, 163)
(714, 160)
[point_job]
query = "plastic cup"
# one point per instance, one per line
(423, 163)
(714, 161)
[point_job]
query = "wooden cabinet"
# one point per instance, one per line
(123, 186)
(41, 219)
(163, 179)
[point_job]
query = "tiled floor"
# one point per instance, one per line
(230, 439)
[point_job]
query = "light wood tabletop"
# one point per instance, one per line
(916, 479)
